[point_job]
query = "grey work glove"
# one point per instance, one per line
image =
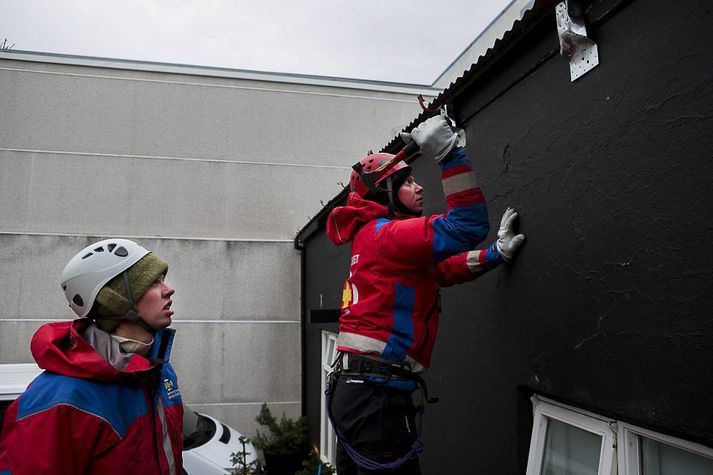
(434, 136)
(508, 242)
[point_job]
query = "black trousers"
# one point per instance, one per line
(377, 421)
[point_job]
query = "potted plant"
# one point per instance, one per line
(286, 444)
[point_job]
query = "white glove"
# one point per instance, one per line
(508, 243)
(434, 136)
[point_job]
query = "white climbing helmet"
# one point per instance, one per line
(95, 265)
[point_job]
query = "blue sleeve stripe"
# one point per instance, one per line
(492, 257)
(381, 222)
(117, 403)
(402, 337)
(461, 230)
(456, 158)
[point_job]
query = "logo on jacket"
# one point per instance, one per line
(350, 295)
(171, 390)
(346, 295)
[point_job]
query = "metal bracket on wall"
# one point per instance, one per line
(575, 46)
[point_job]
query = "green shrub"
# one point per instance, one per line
(285, 436)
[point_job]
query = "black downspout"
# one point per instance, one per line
(299, 245)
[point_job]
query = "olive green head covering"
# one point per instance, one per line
(112, 302)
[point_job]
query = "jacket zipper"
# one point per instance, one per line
(152, 403)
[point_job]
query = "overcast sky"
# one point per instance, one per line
(409, 41)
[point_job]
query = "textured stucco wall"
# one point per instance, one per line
(607, 306)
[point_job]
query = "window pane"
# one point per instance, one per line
(570, 450)
(662, 459)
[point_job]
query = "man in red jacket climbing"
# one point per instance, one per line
(399, 261)
(108, 401)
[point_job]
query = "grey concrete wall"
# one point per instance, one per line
(214, 151)
(214, 173)
(98, 194)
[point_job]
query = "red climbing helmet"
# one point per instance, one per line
(373, 170)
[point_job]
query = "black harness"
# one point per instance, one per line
(376, 371)
(379, 371)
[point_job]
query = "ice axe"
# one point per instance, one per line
(372, 178)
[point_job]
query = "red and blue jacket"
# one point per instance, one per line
(82, 415)
(390, 305)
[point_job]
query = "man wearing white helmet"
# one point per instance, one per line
(108, 400)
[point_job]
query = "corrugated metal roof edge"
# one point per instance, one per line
(521, 26)
(532, 17)
(541, 10)
(511, 10)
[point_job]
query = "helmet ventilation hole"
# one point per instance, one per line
(77, 299)
(121, 251)
(99, 249)
(87, 255)
(111, 247)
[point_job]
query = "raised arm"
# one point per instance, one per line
(465, 223)
(432, 239)
(470, 265)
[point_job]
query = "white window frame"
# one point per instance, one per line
(629, 437)
(327, 437)
(544, 409)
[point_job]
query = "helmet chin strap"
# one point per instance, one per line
(132, 314)
(395, 206)
(390, 193)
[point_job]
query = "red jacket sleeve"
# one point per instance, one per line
(468, 266)
(423, 241)
(61, 440)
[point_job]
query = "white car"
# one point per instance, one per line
(208, 445)
(207, 442)
(14, 379)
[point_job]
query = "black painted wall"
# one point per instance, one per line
(606, 308)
